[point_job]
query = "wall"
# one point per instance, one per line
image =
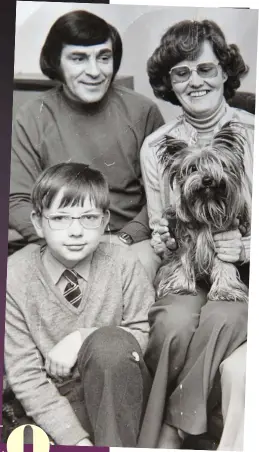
(141, 28)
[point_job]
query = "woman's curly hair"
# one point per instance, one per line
(183, 41)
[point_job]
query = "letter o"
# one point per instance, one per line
(15, 441)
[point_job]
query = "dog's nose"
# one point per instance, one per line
(206, 180)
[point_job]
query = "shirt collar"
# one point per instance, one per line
(55, 268)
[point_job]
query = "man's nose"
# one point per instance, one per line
(76, 228)
(93, 68)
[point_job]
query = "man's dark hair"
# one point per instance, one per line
(77, 28)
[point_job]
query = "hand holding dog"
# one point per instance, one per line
(229, 246)
(63, 356)
(162, 241)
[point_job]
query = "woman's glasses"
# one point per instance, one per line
(63, 221)
(181, 74)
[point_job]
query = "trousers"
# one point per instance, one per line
(110, 397)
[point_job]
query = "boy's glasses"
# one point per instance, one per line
(181, 74)
(60, 221)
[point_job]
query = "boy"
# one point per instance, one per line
(77, 317)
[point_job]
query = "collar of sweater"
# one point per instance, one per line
(208, 124)
(91, 108)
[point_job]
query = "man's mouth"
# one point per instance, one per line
(199, 93)
(92, 83)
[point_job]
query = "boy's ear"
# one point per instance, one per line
(106, 219)
(37, 223)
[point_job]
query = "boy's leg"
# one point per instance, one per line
(233, 371)
(116, 386)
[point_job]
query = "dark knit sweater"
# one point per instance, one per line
(107, 135)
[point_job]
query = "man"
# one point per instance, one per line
(87, 119)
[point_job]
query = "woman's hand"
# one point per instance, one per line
(229, 246)
(162, 241)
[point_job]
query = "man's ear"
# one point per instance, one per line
(106, 219)
(37, 223)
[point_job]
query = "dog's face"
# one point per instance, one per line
(209, 181)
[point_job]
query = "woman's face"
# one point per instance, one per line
(198, 96)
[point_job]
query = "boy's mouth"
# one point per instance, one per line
(76, 247)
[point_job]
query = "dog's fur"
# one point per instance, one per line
(209, 187)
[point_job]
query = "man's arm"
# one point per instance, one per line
(138, 297)
(28, 379)
(25, 167)
(138, 228)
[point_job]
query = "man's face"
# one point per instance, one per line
(87, 71)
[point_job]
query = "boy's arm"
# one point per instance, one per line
(28, 379)
(138, 297)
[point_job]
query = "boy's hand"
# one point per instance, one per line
(84, 442)
(63, 356)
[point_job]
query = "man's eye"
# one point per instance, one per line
(104, 58)
(77, 59)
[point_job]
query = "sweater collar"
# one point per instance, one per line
(209, 123)
(85, 108)
(55, 269)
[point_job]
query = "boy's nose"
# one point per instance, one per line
(76, 228)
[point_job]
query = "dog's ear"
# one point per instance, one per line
(232, 138)
(168, 147)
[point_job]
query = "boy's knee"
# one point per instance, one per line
(109, 347)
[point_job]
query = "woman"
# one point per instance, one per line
(195, 68)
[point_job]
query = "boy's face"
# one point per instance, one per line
(72, 244)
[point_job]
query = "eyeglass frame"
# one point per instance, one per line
(193, 70)
(49, 217)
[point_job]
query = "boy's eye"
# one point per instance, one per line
(90, 217)
(59, 218)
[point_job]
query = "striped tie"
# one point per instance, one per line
(72, 290)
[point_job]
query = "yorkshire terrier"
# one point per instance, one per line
(209, 187)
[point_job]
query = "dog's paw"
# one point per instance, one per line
(220, 294)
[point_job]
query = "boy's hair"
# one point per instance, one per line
(78, 181)
(77, 28)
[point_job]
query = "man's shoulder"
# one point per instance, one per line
(130, 96)
(38, 105)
